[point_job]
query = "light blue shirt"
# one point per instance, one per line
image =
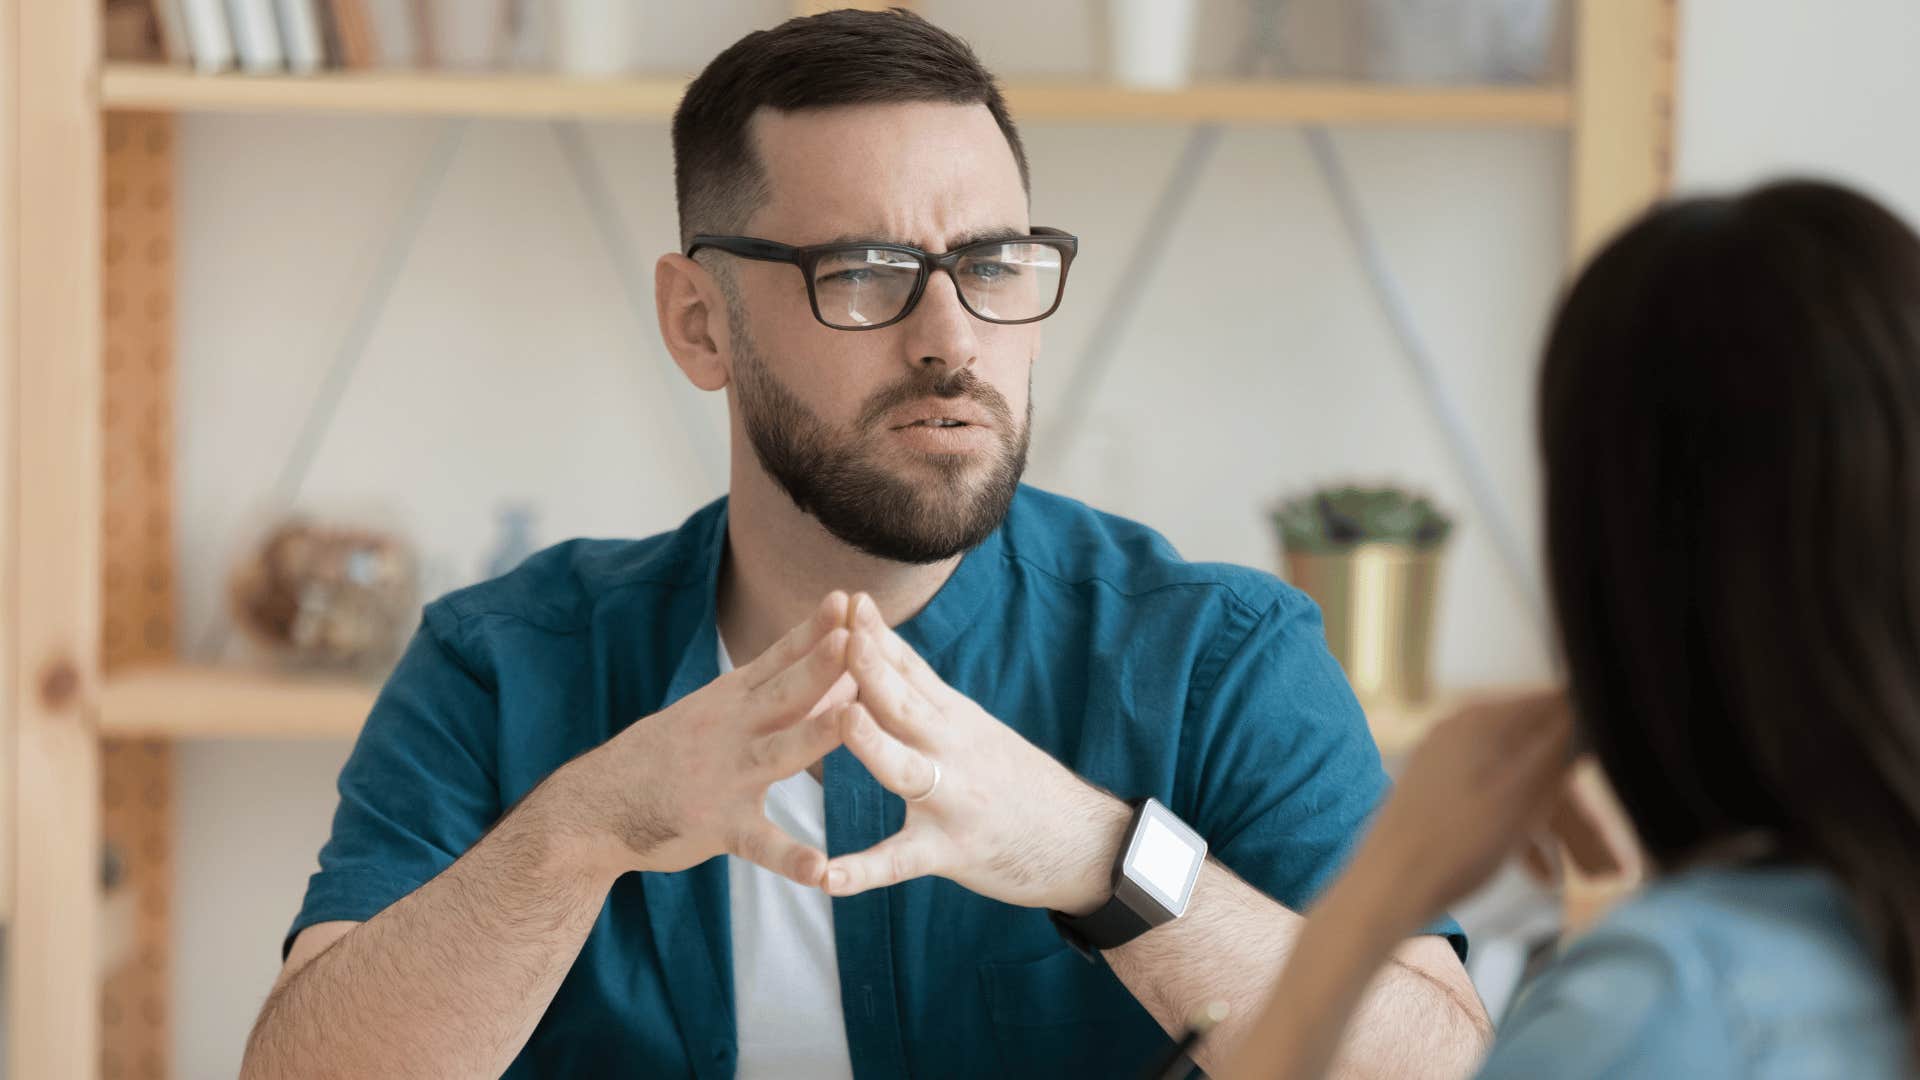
(1755, 972)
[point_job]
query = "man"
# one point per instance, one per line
(523, 871)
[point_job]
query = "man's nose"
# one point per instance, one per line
(940, 330)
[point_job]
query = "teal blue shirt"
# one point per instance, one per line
(1755, 973)
(1209, 687)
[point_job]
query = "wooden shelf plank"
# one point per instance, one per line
(214, 703)
(159, 88)
(1294, 103)
(1398, 727)
(201, 702)
(186, 702)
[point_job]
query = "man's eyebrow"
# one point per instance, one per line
(1003, 232)
(1000, 232)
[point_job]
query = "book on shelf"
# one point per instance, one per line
(527, 27)
(426, 52)
(208, 36)
(256, 38)
(353, 27)
(329, 33)
(308, 36)
(171, 18)
(129, 31)
(300, 33)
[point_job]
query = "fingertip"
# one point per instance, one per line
(837, 880)
(813, 869)
(835, 643)
(830, 612)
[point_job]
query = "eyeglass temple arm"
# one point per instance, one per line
(746, 247)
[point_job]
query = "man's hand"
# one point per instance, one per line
(690, 782)
(986, 808)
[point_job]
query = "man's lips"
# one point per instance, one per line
(942, 416)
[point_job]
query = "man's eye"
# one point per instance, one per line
(855, 276)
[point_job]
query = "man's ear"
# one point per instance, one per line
(693, 319)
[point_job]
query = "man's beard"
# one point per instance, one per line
(844, 480)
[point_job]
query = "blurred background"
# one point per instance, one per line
(406, 278)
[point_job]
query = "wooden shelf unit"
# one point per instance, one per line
(151, 87)
(93, 701)
(186, 702)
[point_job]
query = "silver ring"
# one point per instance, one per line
(931, 788)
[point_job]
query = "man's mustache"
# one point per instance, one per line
(961, 383)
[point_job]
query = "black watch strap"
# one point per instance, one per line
(1112, 926)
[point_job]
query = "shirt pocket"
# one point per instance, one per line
(1061, 1015)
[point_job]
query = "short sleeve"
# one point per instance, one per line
(1615, 1005)
(1283, 774)
(419, 788)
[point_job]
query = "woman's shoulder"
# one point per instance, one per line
(1719, 972)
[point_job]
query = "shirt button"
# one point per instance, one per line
(721, 1052)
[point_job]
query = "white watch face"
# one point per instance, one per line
(1161, 859)
(1165, 857)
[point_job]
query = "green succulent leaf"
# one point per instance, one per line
(1338, 518)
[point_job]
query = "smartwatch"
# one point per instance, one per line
(1152, 882)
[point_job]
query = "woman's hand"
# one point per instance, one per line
(1472, 792)
(1479, 787)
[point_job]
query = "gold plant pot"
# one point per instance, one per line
(1377, 601)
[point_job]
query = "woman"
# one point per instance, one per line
(1730, 428)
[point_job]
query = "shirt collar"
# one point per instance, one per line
(953, 608)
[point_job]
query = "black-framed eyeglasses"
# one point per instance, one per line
(865, 285)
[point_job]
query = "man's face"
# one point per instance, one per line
(856, 425)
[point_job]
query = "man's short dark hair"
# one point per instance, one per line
(845, 57)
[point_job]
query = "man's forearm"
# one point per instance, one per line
(450, 980)
(1231, 945)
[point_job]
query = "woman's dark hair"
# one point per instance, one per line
(1730, 426)
(845, 57)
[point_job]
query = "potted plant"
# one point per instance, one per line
(1370, 557)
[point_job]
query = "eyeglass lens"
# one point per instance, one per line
(1008, 282)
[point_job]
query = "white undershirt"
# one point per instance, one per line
(786, 975)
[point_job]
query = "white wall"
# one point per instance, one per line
(249, 818)
(508, 365)
(1771, 87)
